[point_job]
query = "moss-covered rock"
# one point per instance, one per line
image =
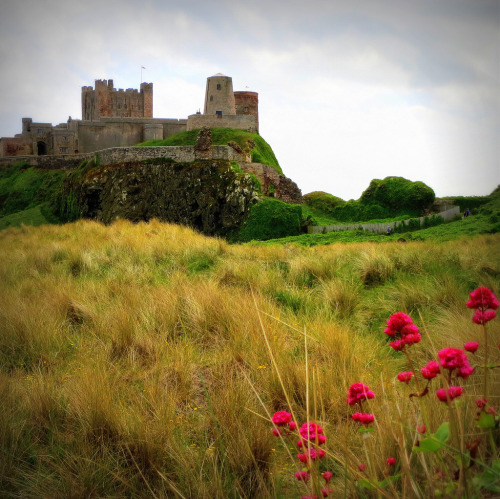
(207, 195)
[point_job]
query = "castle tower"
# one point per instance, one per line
(107, 101)
(219, 96)
(247, 103)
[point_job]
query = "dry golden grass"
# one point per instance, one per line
(134, 358)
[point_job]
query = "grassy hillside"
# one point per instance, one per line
(261, 151)
(146, 360)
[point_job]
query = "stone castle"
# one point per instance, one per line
(122, 118)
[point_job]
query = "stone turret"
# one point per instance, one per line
(219, 96)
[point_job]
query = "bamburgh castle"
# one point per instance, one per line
(121, 118)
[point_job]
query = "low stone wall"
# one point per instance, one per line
(181, 154)
(380, 228)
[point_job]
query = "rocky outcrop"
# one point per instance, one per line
(206, 195)
(273, 184)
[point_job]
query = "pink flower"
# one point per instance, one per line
(398, 345)
(401, 324)
(302, 476)
(310, 431)
(327, 475)
(325, 492)
(292, 425)
(311, 454)
(452, 358)
(483, 298)
(357, 393)
(431, 370)
(465, 372)
(363, 418)
(471, 346)
(281, 418)
(492, 410)
(421, 428)
(452, 393)
(362, 467)
(405, 377)
(391, 461)
(276, 432)
(483, 316)
(481, 403)
(398, 320)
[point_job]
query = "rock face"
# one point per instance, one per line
(206, 195)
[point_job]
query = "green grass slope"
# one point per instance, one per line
(261, 151)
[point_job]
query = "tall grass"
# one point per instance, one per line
(132, 357)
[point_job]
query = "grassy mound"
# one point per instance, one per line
(261, 151)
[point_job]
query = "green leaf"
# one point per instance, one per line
(365, 430)
(435, 441)
(443, 433)
(365, 484)
(429, 445)
(492, 366)
(486, 421)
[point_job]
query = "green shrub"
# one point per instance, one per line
(471, 202)
(322, 201)
(269, 219)
(398, 195)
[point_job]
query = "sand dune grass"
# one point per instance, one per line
(133, 360)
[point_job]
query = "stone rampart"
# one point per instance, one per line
(379, 228)
(113, 155)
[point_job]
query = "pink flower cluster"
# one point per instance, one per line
(311, 438)
(400, 326)
(485, 303)
(405, 377)
(363, 418)
(311, 433)
(431, 370)
(449, 394)
(283, 418)
(455, 358)
(357, 393)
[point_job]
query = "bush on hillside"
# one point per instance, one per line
(398, 196)
(471, 202)
(354, 211)
(270, 219)
(322, 201)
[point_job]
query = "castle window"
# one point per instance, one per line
(63, 149)
(119, 106)
(39, 130)
(125, 106)
(219, 113)
(245, 109)
(211, 98)
(218, 86)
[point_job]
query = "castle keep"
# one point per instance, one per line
(120, 118)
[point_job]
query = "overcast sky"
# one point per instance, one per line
(349, 90)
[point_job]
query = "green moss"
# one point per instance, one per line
(260, 150)
(23, 187)
(269, 219)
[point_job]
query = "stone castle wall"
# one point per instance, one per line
(241, 121)
(114, 155)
